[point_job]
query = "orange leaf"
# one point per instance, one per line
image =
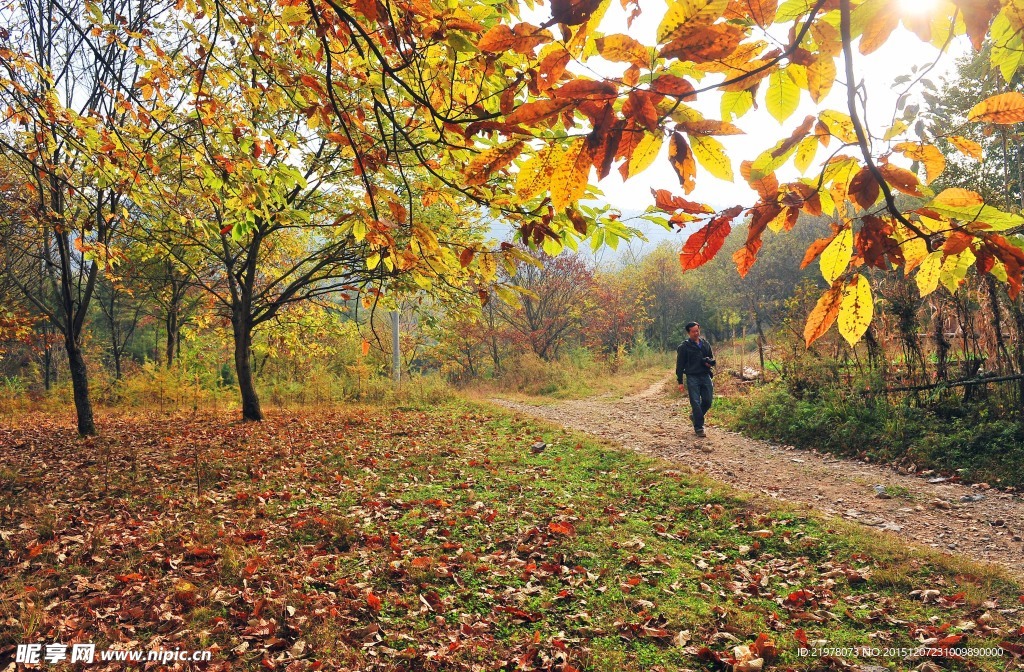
(672, 85)
(665, 200)
(702, 43)
(620, 48)
(878, 29)
(977, 14)
(466, 257)
(563, 528)
(372, 600)
(823, 316)
(1004, 108)
(531, 113)
(524, 38)
(703, 245)
(901, 178)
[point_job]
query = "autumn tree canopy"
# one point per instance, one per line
(225, 119)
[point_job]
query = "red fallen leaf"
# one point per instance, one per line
(128, 578)
(563, 528)
(952, 600)
(948, 641)
(1015, 649)
(519, 614)
(763, 647)
(35, 549)
(373, 601)
(801, 637)
(798, 598)
(251, 536)
(200, 552)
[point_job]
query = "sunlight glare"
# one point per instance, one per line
(917, 7)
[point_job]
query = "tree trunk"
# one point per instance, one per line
(117, 362)
(80, 386)
(242, 328)
(1002, 354)
(173, 333)
(47, 357)
(941, 345)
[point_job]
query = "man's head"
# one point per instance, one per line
(693, 330)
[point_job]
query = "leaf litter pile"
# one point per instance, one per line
(454, 538)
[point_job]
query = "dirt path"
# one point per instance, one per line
(982, 524)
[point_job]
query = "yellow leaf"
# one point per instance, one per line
(914, 249)
(571, 174)
(928, 274)
(895, 129)
(999, 271)
(645, 153)
(955, 197)
(673, 24)
(954, 269)
(711, 156)
(821, 74)
(490, 161)
(805, 153)
(783, 95)
(836, 257)
(779, 221)
(965, 146)
(1003, 108)
(535, 175)
(736, 103)
(623, 48)
(856, 309)
(840, 125)
(929, 156)
(823, 315)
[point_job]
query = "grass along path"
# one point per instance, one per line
(439, 539)
(980, 524)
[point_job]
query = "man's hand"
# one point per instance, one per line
(682, 388)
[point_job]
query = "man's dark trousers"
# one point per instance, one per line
(701, 392)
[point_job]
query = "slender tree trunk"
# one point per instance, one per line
(941, 346)
(47, 357)
(80, 386)
(1002, 355)
(242, 327)
(117, 362)
(173, 332)
(760, 342)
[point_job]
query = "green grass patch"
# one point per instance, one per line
(980, 444)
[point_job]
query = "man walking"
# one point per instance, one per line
(695, 359)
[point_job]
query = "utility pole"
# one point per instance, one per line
(396, 354)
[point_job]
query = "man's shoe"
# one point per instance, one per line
(701, 432)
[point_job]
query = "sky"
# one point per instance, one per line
(897, 57)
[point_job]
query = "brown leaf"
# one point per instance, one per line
(681, 158)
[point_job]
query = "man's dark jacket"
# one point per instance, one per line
(690, 358)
